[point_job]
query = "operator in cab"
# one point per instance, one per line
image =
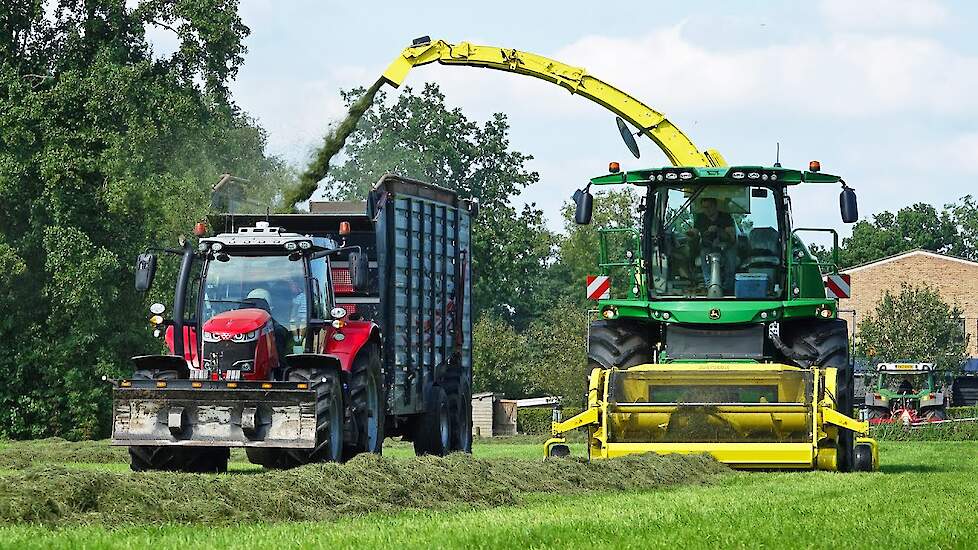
(718, 238)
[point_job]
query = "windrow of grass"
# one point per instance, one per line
(55, 495)
(17, 455)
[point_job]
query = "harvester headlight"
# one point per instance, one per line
(305, 245)
(671, 176)
(217, 246)
(655, 313)
(753, 175)
(774, 177)
(825, 313)
(291, 245)
(666, 315)
(686, 176)
(764, 177)
(763, 315)
(737, 175)
(659, 177)
(629, 254)
(635, 290)
(609, 312)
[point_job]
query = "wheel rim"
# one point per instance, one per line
(373, 418)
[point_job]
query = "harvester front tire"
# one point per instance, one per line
(617, 344)
(825, 343)
(432, 434)
(329, 433)
(368, 402)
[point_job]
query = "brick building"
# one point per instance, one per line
(955, 279)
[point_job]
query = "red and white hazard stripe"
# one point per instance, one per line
(837, 286)
(598, 287)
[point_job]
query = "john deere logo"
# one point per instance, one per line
(714, 314)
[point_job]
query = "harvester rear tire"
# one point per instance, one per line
(432, 435)
(617, 344)
(329, 433)
(825, 343)
(368, 402)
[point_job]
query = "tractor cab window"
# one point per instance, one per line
(716, 241)
(273, 283)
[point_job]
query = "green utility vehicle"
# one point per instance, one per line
(906, 392)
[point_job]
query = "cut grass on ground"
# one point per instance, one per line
(773, 510)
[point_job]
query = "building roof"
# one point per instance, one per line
(907, 254)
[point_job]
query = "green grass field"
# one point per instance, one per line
(922, 498)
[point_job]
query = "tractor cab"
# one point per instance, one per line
(905, 392)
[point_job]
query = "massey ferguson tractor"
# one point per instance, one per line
(309, 337)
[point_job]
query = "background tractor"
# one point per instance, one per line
(907, 393)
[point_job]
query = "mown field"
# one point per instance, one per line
(922, 498)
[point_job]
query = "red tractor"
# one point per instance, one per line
(310, 337)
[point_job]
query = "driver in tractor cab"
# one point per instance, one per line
(260, 299)
(718, 238)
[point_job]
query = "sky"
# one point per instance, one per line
(883, 93)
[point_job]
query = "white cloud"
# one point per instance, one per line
(883, 14)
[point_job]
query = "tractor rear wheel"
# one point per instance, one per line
(617, 344)
(933, 415)
(432, 435)
(826, 344)
(329, 431)
(368, 402)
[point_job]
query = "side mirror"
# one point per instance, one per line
(359, 271)
(628, 137)
(145, 271)
(848, 206)
(585, 205)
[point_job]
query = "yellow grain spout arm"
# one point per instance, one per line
(673, 142)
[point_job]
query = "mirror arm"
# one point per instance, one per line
(331, 251)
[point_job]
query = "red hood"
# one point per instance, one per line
(237, 321)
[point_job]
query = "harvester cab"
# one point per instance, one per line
(906, 393)
(715, 333)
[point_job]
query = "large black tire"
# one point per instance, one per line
(432, 431)
(877, 413)
(329, 432)
(368, 403)
(935, 414)
(175, 459)
(825, 343)
(460, 409)
(618, 344)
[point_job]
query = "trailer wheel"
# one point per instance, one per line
(368, 402)
(433, 428)
(329, 434)
(461, 418)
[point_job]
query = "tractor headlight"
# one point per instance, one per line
(211, 337)
(246, 337)
(217, 247)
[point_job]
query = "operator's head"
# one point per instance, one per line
(262, 295)
(709, 206)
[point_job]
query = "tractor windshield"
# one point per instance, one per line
(716, 241)
(273, 283)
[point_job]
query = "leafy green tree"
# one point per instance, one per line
(914, 325)
(917, 226)
(419, 136)
(499, 358)
(558, 353)
(104, 150)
